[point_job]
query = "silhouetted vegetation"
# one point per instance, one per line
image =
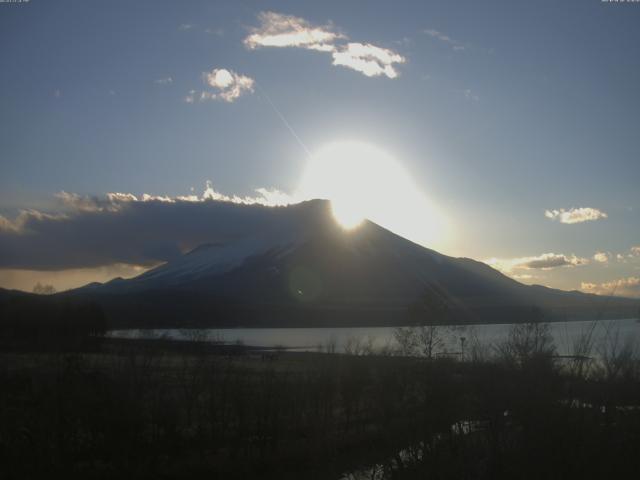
(46, 322)
(159, 408)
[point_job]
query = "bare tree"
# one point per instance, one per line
(617, 354)
(430, 340)
(527, 341)
(406, 339)
(423, 340)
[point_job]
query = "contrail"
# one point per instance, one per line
(284, 120)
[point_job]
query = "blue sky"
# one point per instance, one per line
(499, 112)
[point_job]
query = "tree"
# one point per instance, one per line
(526, 342)
(431, 310)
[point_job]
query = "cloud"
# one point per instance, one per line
(279, 30)
(185, 27)
(77, 202)
(191, 96)
(523, 276)
(552, 260)
(469, 95)
(227, 84)
(623, 287)
(455, 45)
(122, 228)
(65, 279)
(601, 257)
(368, 59)
(266, 197)
(628, 256)
(575, 215)
(163, 81)
(230, 84)
(546, 261)
(439, 35)
(114, 201)
(7, 225)
(218, 32)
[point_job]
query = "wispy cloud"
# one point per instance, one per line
(163, 81)
(455, 45)
(575, 215)
(469, 95)
(185, 26)
(623, 287)
(279, 30)
(191, 96)
(546, 261)
(218, 32)
(227, 85)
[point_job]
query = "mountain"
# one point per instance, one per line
(294, 266)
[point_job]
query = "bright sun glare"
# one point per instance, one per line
(362, 181)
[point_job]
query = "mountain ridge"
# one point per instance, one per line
(296, 266)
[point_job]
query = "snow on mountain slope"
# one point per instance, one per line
(214, 259)
(267, 230)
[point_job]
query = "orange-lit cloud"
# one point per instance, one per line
(61, 280)
(623, 287)
(601, 257)
(546, 261)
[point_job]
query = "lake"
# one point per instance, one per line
(318, 339)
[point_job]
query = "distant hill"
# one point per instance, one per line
(49, 321)
(297, 267)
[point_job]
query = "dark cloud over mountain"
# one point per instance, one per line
(122, 229)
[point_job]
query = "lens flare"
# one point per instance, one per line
(364, 182)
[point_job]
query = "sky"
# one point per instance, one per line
(517, 122)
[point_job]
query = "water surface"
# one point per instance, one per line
(565, 334)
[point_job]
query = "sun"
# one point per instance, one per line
(364, 182)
